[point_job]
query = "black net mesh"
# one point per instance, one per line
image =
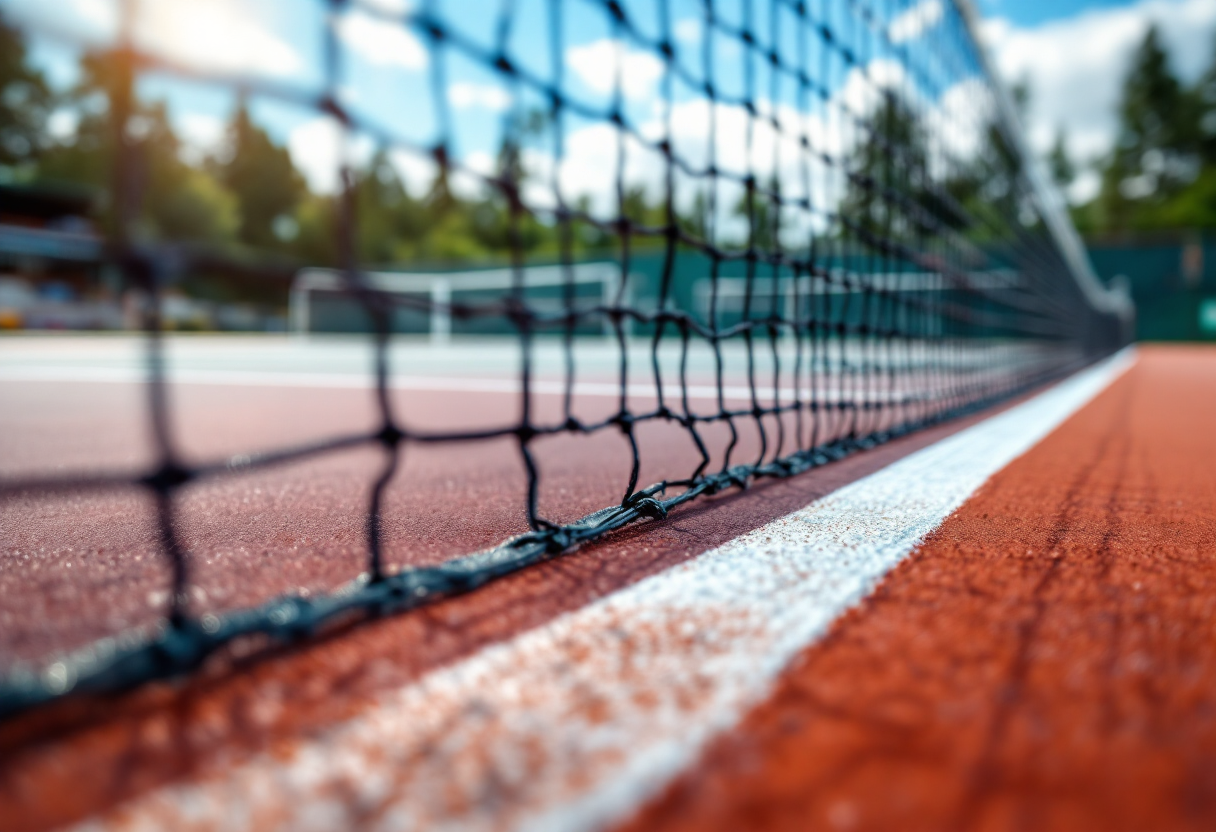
(833, 193)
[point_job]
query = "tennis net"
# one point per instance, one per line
(836, 191)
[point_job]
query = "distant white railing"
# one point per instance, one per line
(440, 287)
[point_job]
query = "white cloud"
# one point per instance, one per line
(1076, 66)
(62, 123)
(955, 124)
(318, 150)
(465, 95)
(469, 183)
(480, 162)
(381, 42)
(315, 148)
(590, 155)
(90, 21)
(917, 20)
(417, 172)
(201, 135)
(101, 13)
(598, 63)
(862, 91)
(215, 34)
(1085, 187)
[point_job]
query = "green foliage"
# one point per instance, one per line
(386, 215)
(1194, 206)
(1205, 102)
(179, 201)
(176, 200)
(198, 208)
(250, 196)
(1158, 174)
(263, 177)
(1059, 163)
(87, 158)
(893, 195)
(890, 158)
(25, 103)
(698, 221)
(638, 208)
(757, 209)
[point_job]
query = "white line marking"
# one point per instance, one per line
(452, 384)
(572, 725)
(449, 384)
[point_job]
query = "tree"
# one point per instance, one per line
(198, 208)
(25, 102)
(316, 241)
(698, 221)
(1156, 151)
(87, 157)
(638, 207)
(1151, 100)
(183, 202)
(1019, 94)
(386, 215)
(171, 199)
(262, 176)
(757, 209)
(888, 170)
(1060, 164)
(1205, 102)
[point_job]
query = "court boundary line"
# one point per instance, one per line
(613, 700)
(438, 384)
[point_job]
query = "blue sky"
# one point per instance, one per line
(1037, 12)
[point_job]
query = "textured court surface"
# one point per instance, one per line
(1046, 660)
(78, 404)
(1043, 660)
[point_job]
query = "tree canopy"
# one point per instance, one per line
(1161, 171)
(25, 104)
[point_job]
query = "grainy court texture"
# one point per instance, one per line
(1044, 659)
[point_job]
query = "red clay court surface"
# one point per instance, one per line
(1045, 659)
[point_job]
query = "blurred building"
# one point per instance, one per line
(52, 274)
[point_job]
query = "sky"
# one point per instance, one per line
(1031, 13)
(1071, 52)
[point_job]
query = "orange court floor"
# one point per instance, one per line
(1044, 660)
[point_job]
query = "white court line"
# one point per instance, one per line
(572, 725)
(350, 381)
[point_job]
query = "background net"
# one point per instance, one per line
(834, 193)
